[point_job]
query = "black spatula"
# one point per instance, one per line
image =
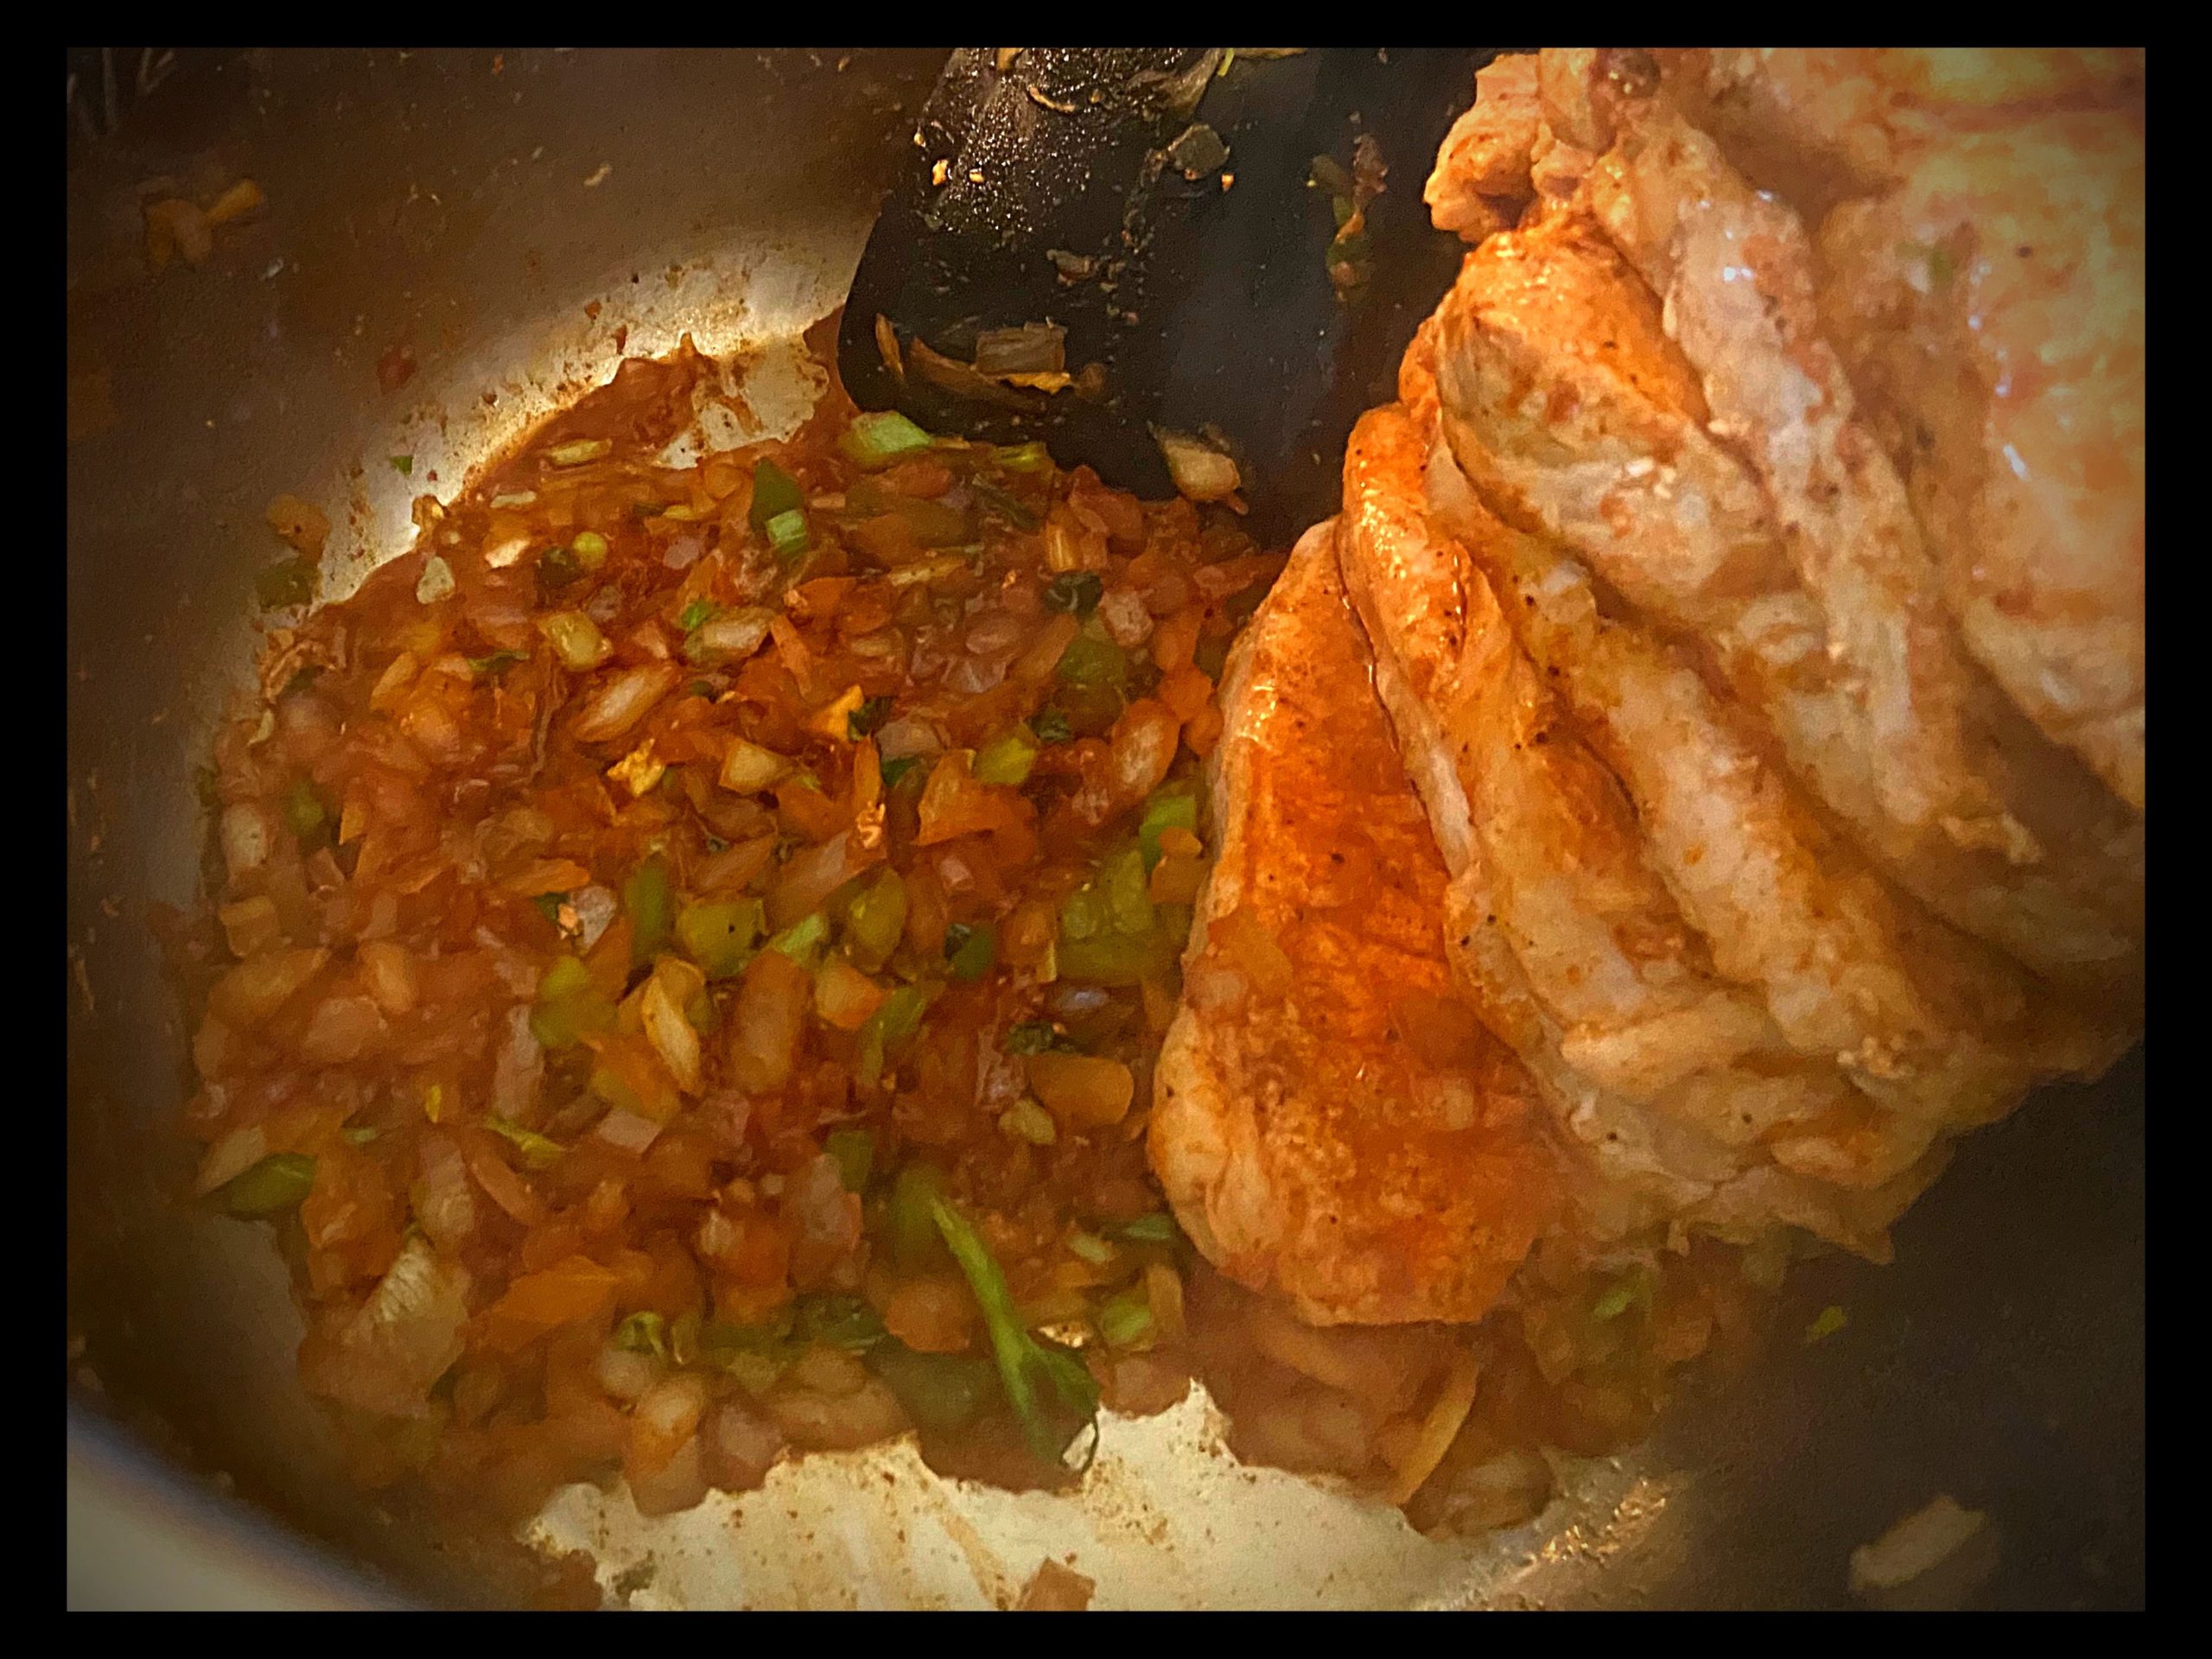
(1179, 216)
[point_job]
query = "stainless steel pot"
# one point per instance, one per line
(468, 207)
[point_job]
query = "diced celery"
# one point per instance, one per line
(876, 920)
(564, 978)
(803, 938)
(1124, 1320)
(788, 536)
(877, 439)
(1008, 757)
(1171, 809)
(649, 897)
(775, 491)
(719, 936)
(854, 1151)
(278, 1182)
(973, 952)
(1093, 661)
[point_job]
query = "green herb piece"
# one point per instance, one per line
(1051, 727)
(880, 438)
(1090, 1248)
(895, 1020)
(775, 491)
(1124, 1320)
(564, 978)
(854, 1151)
(1634, 1288)
(1007, 506)
(1092, 661)
(875, 920)
(1029, 1368)
(1171, 809)
(804, 939)
(971, 951)
(1157, 1228)
(643, 1333)
(1035, 1037)
(649, 897)
(1007, 759)
(789, 537)
(864, 720)
(840, 1321)
(939, 1391)
(909, 1221)
(538, 1151)
(719, 936)
(490, 668)
(309, 815)
(278, 1182)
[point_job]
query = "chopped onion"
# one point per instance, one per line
(905, 736)
(672, 1034)
(342, 1028)
(628, 1131)
(625, 700)
(993, 633)
(518, 1069)
(575, 639)
(740, 1446)
(1127, 621)
(405, 1338)
(828, 1214)
(436, 581)
(971, 675)
(445, 1205)
(666, 1416)
(255, 989)
(596, 908)
(682, 552)
(1201, 472)
(627, 1376)
(729, 637)
(247, 836)
(747, 768)
(1439, 1428)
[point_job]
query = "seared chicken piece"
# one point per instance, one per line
(1733, 268)
(1481, 171)
(1573, 414)
(1330, 1122)
(1678, 1085)
(1820, 126)
(1982, 226)
(1994, 301)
